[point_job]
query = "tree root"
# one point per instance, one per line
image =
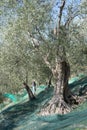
(56, 106)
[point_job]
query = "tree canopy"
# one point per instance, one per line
(28, 41)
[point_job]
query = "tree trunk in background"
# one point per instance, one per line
(30, 94)
(49, 83)
(26, 78)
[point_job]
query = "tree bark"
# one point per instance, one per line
(26, 77)
(30, 94)
(49, 83)
(63, 99)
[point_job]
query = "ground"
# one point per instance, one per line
(25, 116)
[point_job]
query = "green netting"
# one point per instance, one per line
(23, 95)
(10, 96)
(73, 79)
(25, 115)
(77, 85)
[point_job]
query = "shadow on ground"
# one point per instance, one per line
(24, 116)
(23, 112)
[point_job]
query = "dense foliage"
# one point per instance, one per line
(28, 40)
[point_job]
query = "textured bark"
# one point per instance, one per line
(63, 99)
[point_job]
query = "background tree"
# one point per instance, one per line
(18, 52)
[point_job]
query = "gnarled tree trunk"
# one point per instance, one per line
(63, 98)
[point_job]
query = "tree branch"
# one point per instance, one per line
(60, 15)
(46, 61)
(35, 41)
(67, 23)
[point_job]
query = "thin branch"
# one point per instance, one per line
(46, 61)
(68, 21)
(60, 15)
(37, 29)
(45, 58)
